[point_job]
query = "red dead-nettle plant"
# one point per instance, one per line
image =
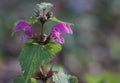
(37, 57)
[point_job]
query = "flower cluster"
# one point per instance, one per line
(56, 33)
(58, 30)
(26, 27)
(46, 46)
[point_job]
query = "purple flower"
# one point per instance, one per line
(58, 30)
(29, 31)
(26, 27)
(63, 28)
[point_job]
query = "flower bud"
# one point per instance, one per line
(37, 13)
(43, 19)
(49, 14)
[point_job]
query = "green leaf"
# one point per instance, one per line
(57, 20)
(105, 77)
(33, 80)
(34, 55)
(110, 77)
(21, 79)
(32, 20)
(44, 5)
(93, 78)
(61, 77)
(73, 79)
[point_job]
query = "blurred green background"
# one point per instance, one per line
(92, 53)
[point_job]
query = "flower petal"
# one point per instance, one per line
(59, 40)
(63, 28)
(26, 27)
(55, 34)
(23, 39)
(22, 25)
(69, 29)
(58, 30)
(29, 32)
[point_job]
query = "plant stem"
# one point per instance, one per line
(43, 67)
(43, 20)
(42, 35)
(42, 23)
(47, 40)
(42, 29)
